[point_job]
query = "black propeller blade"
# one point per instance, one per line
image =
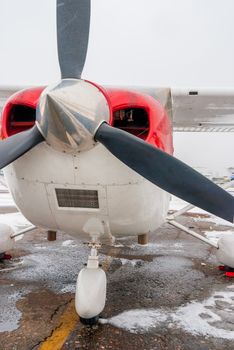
(73, 21)
(15, 146)
(167, 172)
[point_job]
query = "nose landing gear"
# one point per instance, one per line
(91, 289)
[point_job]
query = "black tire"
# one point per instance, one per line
(89, 321)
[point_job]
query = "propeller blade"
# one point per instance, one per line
(167, 172)
(73, 20)
(15, 146)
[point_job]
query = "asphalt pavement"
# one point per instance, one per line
(166, 295)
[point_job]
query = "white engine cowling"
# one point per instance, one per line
(225, 252)
(90, 292)
(6, 242)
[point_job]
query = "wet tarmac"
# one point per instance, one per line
(166, 295)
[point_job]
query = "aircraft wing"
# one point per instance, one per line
(203, 110)
(210, 110)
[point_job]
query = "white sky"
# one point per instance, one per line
(179, 43)
(140, 42)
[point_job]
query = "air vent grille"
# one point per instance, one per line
(73, 198)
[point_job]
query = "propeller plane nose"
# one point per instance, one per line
(70, 112)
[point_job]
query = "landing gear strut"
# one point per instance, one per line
(91, 289)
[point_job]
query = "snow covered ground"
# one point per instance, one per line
(206, 318)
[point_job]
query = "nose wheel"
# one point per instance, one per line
(90, 295)
(89, 321)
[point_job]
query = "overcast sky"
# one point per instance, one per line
(177, 43)
(140, 42)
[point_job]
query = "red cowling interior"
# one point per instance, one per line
(142, 116)
(19, 112)
(133, 112)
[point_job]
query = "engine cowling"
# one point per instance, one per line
(19, 112)
(132, 111)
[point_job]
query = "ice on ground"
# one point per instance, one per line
(137, 321)
(132, 262)
(118, 245)
(42, 267)
(45, 267)
(11, 322)
(177, 204)
(231, 286)
(213, 317)
(69, 243)
(70, 288)
(214, 236)
(152, 247)
(215, 220)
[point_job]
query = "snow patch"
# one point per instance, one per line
(68, 243)
(45, 267)
(137, 321)
(214, 236)
(153, 247)
(70, 288)
(132, 262)
(215, 220)
(118, 245)
(177, 203)
(214, 317)
(11, 322)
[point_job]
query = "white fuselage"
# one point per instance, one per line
(128, 204)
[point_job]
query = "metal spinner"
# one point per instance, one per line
(70, 112)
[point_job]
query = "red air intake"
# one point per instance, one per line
(19, 113)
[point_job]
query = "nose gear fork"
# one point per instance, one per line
(91, 288)
(93, 259)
